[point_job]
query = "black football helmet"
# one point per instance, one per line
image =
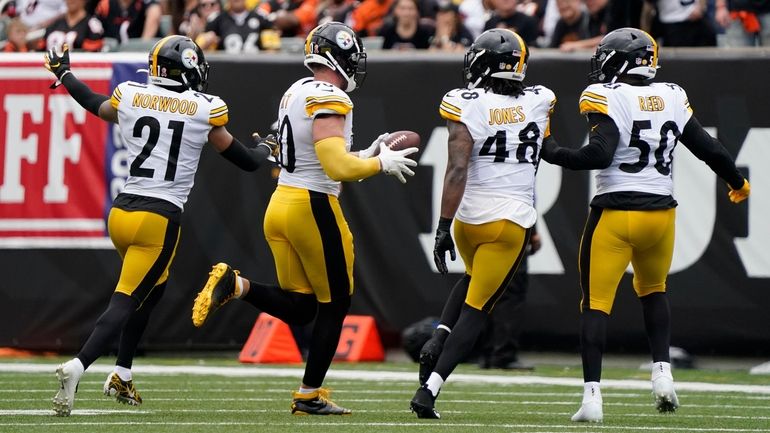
(177, 63)
(337, 46)
(625, 51)
(496, 53)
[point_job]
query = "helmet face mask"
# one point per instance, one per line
(177, 63)
(624, 52)
(337, 47)
(496, 53)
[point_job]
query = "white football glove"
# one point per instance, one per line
(374, 147)
(396, 163)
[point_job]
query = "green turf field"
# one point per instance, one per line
(186, 396)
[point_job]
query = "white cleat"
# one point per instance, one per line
(590, 411)
(68, 376)
(665, 396)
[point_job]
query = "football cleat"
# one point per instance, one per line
(428, 357)
(665, 396)
(423, 404)
(219, 290)
(68, 377)
(123, 392)
(590, 411)
(316, 403)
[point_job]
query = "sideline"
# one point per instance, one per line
(391, 376)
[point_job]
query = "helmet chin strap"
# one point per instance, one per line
(350, 82)
(620, 71)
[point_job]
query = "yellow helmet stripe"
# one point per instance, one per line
(307, 40)
(654, 50)
(154, 62)
(523, 55)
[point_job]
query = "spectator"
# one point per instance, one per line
(182, 12)
(293, 17)
(404, 31)
(746, 22)
(366, 19)
(685, 25)
(572, 24)
(548, 24)
(76, 28)
(451, 34)
(240, 30)
(129, 19)
(588, 31)
(39, 14)
(17, 37)
(194, 24)
(7, 14)
(500, 342)
(506, 15)
(475, 14)
(335, 10)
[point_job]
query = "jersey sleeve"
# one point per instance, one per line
(685, 106)
(549, 98)
(218, 113)
(327, 99)
(594, 100)
(452, 104)
(93, 39)
(117, 96)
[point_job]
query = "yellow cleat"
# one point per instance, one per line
(219, 290)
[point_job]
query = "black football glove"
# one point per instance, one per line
(270, 141)
(443, 244)
(59, 65)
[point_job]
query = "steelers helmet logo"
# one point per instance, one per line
(344, 39)
(189, 58)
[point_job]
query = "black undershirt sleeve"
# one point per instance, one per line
(709, 150)
(597, 154)
(246, 158)
(81, 93)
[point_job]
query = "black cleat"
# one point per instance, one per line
(422, 404)
(428, 357)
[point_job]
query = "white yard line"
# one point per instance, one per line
(426, 424)
(390, 376)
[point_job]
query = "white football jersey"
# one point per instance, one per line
(507, 133)
(650, 120)
(304, 100)
(164, 132)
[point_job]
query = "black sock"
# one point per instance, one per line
(455, 302)
(107, 328)
(326, 337)
(593, 331)
(460, 342)
(657, 323)
(135, 326)
(292, 308)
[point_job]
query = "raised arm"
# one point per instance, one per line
(95, 103)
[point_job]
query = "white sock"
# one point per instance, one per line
(240, 291)
(303, 390)
(434, 383)
(592, 392)
(661, 369)
(123, 373)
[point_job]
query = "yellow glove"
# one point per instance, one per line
(738, 195)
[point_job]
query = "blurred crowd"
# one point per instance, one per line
(237, 26)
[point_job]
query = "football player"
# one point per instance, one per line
(496, 127)
(310, 240)
(635, 124)
(164, 124)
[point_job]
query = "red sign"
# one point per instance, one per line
(52, 155)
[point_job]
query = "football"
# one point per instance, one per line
(402, 139)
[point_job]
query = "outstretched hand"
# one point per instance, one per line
(58, 64)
